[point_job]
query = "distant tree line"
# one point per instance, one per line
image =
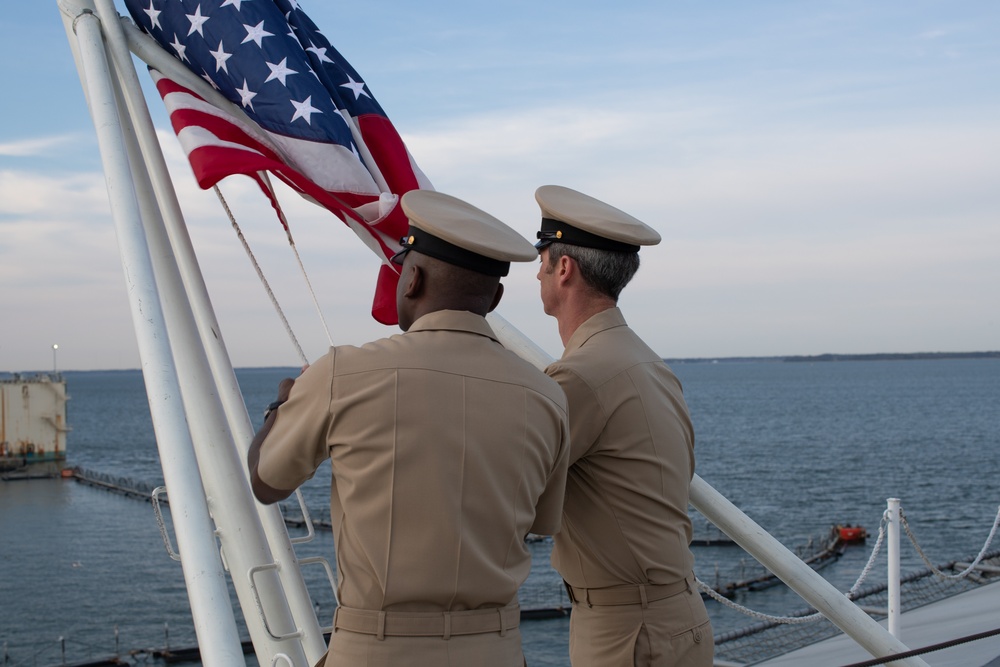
(880, 356)
(885, 356)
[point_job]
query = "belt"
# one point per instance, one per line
(444, 624)
(630, 594)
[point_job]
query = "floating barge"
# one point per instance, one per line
(32, 425)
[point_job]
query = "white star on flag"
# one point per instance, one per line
(256, 33)
(208, 77)
(220, 58)
(246, 95)
(197, 21)
(154, 16)
(279, 71)
(304, 109)
(356, 87)
(320, 52)
(179, 48)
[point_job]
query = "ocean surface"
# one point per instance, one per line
(798, 446)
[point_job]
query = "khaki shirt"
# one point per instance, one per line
(625, 516)
(446, 450)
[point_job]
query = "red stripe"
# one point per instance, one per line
(212, 163)
(394, 162)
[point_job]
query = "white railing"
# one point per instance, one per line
(888, 534)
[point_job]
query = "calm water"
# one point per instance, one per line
(797, 446)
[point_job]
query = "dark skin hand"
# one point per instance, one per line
(264, 492)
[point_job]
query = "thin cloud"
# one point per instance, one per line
(938, 33)
(36, 147)
(34, 195)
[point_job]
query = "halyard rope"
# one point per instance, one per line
(260, 275)
(291, 242)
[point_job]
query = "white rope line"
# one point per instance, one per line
(291, 242)
(712, 593)
(927, 562)
(715, 595)
(260, 275)
(811, 617)
(871, 559)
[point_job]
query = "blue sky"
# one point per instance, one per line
(824, 175)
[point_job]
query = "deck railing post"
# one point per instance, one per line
(892, 535)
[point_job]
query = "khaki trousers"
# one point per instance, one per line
(673, 632)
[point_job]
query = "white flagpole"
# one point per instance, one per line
(215, 625)
(206, 352)
(238, 527)
(222, 468)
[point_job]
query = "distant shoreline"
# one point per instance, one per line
(879, 356)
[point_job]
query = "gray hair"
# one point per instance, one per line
(607, 272)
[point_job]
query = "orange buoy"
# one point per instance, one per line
(851, 533)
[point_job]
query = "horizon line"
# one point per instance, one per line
(826, 356)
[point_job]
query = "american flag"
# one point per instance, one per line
(308, 116)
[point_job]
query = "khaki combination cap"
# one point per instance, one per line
(454, 231)
(574, 218)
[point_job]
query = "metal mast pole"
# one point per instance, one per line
(222, 471)
(203, 354)
(215, 625)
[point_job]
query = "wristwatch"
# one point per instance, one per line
(271, 408)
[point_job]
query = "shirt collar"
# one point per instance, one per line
(602, 321)
(454, 320)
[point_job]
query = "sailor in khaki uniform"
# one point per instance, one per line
(446, 451)
(624, 547)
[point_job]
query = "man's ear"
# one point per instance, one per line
(496, 298)
(565, 269)
(413, 276)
